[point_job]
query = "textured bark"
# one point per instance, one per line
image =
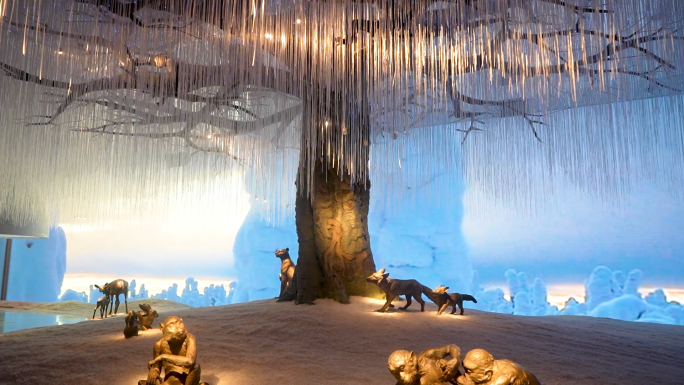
(309, 271)
(334, 245)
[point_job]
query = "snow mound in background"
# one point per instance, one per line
(608, 294)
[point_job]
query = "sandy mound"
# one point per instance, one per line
(265, 342)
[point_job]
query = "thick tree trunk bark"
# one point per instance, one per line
(334, 245)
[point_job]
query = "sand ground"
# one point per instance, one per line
(265, 342)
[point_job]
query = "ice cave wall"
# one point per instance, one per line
(37, 268)
(416, 208)
(262, 232)
(255, 262)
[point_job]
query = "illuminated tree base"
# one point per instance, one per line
(334, 245)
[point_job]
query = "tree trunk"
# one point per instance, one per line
(333, 186)
(334, 245)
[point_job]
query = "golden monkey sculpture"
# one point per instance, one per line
(482, 369)
(175, 353)
(430, 367)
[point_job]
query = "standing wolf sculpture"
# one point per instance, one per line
(288, 279)
(443, 299)
(396, 287)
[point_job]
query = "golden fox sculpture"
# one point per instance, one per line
(396, 287)
(443, 299)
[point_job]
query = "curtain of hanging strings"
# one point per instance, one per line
(110, 104)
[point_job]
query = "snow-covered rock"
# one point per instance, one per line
(599, 287)
(625, 307)
(634, 279)
(71, 295)
(522, 304)
(572, 307)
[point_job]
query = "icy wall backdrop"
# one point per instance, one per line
(210, 295)
(37, 268)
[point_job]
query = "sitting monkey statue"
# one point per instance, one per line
(427, 368)
(175, 354)
(288, 279)
(482, 368)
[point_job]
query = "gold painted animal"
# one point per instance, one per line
(288, 279)
(175, 354)
(113, 290)
(132, 324)
(430, 367)
(102, 305)
(396, 287)
(482, 369)
(146, 316)
(450, 299)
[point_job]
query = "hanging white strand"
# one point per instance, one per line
(176, 109)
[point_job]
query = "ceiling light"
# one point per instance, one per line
(159, 61)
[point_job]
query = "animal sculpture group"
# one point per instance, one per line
(410, 288)
(111, 291)
(174, 359)
(431, 367)
(135, 321)
(141, 320)
(174, 355)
